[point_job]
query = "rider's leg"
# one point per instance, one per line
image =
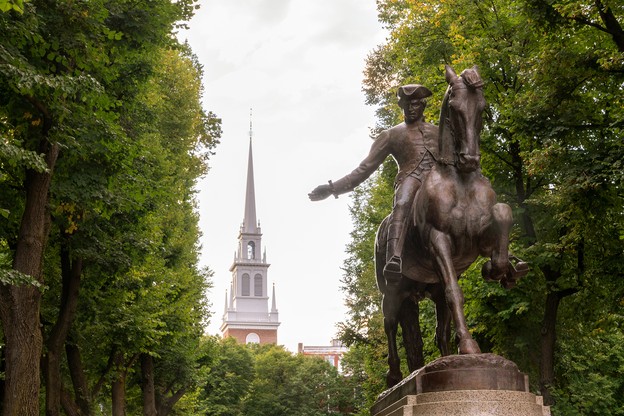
(397, 228)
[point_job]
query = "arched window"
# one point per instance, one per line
(252, 338)
(258, 285)
(251, 250)
(246, 283)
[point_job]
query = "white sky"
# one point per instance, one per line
(298, 64)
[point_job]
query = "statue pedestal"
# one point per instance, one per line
(462, 385)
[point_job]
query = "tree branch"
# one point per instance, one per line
(98, 385)
(585, 21)
(612, 25)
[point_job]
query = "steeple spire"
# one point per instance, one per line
(231, 296)
(273, 303)
(250, 223)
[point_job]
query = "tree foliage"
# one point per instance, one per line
(102, 138)
(265, 380)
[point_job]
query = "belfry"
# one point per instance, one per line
(247, 317)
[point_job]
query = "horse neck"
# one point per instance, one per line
(446, 143)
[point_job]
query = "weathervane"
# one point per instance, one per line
(250, 125)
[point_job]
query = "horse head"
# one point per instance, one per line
(461, 119)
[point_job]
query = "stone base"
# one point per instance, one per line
(462, 385)
(468, 403)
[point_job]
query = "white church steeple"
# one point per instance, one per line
(247, 318)
(250, 223)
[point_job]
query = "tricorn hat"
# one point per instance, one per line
(413, 91)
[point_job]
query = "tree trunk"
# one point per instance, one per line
(165, 406)
(71, 272)
(147, 384)
(523, 189)
(69, 406)
(549, 335)
(549, 338)
(119, 387)
(19, 305)
(79, 380)
(20, 320)
(611, 23)
(2, 370)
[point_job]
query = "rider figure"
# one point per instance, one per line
(414, 145)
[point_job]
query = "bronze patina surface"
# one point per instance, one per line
(445, 215)
(457, 372)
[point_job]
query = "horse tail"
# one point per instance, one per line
(381, 242)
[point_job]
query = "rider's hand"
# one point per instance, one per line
(320, 192)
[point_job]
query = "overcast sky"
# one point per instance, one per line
(299, 65)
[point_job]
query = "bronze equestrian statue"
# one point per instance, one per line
(454, 219)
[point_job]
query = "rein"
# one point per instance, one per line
(446, 157)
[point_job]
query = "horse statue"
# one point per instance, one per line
(455, 219)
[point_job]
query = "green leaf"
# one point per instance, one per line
(17, 5)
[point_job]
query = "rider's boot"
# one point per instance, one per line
(393, 270)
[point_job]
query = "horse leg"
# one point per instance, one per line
(502, 222)
(500, 267)
(441, 250)
(391, 305)
(443, 321)
(412, 336)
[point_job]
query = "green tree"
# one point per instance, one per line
(149, 308)
(36, 99)
(287, 384)
(268, 380)
(72, 76)
(228, 380)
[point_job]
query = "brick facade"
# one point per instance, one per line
(331, 353)
(267, 336)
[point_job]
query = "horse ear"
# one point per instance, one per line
(450, 74)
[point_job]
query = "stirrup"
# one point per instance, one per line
(393, 270)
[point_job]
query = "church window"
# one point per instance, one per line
(258, 285)
(251, 250)
(246, 283)
(252, 338)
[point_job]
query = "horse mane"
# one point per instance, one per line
(446, 143)
(471, 79)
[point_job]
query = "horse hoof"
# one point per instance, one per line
(508, 283)
(521, 269)
(486, 272)
(469, 346)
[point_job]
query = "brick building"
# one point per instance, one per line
(331, 353)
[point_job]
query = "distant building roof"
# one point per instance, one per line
(331, 353)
